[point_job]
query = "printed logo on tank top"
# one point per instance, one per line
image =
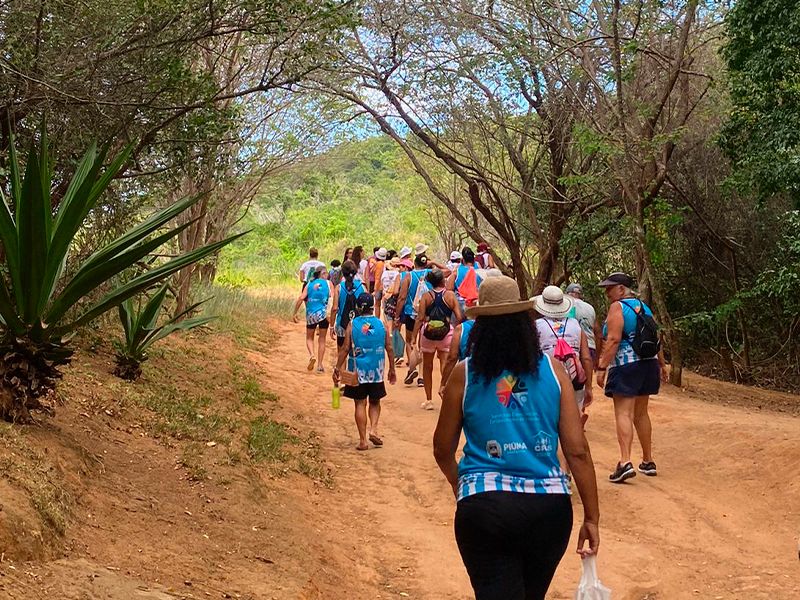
(512, 392)
(367, 329)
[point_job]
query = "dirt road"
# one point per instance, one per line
(720, 521)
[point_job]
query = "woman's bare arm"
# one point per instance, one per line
(448, 429)
(579, 458)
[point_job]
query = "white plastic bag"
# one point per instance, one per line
(590, 587)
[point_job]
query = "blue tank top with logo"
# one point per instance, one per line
(417, 277)
(466, 327)
(369, 348)
(625, 352)
(511, 428)
(318, 294)
(358, 289)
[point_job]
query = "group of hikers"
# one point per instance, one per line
(516, 380)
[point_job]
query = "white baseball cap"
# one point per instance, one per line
(456, 255)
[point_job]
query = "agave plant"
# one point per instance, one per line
(41, 306)
(142, 330)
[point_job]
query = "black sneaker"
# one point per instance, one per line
(420, 382)
(410, 377)
(622, 472)
(648, 468)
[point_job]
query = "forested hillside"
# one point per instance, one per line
(359, 193)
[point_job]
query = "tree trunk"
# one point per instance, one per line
(659, 301)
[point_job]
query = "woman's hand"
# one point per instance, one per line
(587, 395)
(335, 376)
(601, 378)
(664, 373)
(392, 375)
(333, 333)
(590, 533)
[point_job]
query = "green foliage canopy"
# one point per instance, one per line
(762, 136)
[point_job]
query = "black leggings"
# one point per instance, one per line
(511, 543)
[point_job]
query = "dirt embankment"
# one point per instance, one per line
(226, 474)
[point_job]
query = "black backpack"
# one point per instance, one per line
(349, 306)
(645, 337)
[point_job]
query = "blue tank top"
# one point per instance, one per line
(318, 293)
(625, 352)
(369, 348)
(466, 327)
(416, 278)
(511, 428)
(358, 289)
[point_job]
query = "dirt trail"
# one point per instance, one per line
(720, 521)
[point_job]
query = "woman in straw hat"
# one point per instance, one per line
(553, 325)
(514, 404)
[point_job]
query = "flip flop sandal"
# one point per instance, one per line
(412, 375)
(311, 362)
(375, 440)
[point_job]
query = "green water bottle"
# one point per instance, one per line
(335, 395)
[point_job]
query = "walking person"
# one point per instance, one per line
(406, 315)
(316, 295)
(459, 350)
(307, 268)
(483, 258)
(515, 405)
(344, 301)
(438, 311)
(376, 274)
(335, 274)
(366, 347)
(632, 377)
(360, 262)
(554, 324)
(348, 255)
(587, 317)
(390, 284)
(465, 281)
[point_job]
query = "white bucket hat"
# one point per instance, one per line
(553, 303)
(405, 252)
(381, 254)
(420, 248)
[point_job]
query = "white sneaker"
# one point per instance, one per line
(427, 405)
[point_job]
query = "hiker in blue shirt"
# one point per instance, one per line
(632, 378)
(344, 300)
(316, 295)
(514, 405)
(366, 349)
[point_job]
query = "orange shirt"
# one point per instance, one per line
(378, 270)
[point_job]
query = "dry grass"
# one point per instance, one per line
(30, 470)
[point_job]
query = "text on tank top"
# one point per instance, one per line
(369, 348)
(625, 353)
(511, 430)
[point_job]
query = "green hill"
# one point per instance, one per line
(359, 193)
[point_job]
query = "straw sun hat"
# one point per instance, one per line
(498, 296)
(553, 303)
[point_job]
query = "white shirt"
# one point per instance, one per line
(548, 339)
(362, 269)
(309, 266)
(387, 279)
(584, 313)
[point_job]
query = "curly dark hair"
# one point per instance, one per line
(504, 343)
